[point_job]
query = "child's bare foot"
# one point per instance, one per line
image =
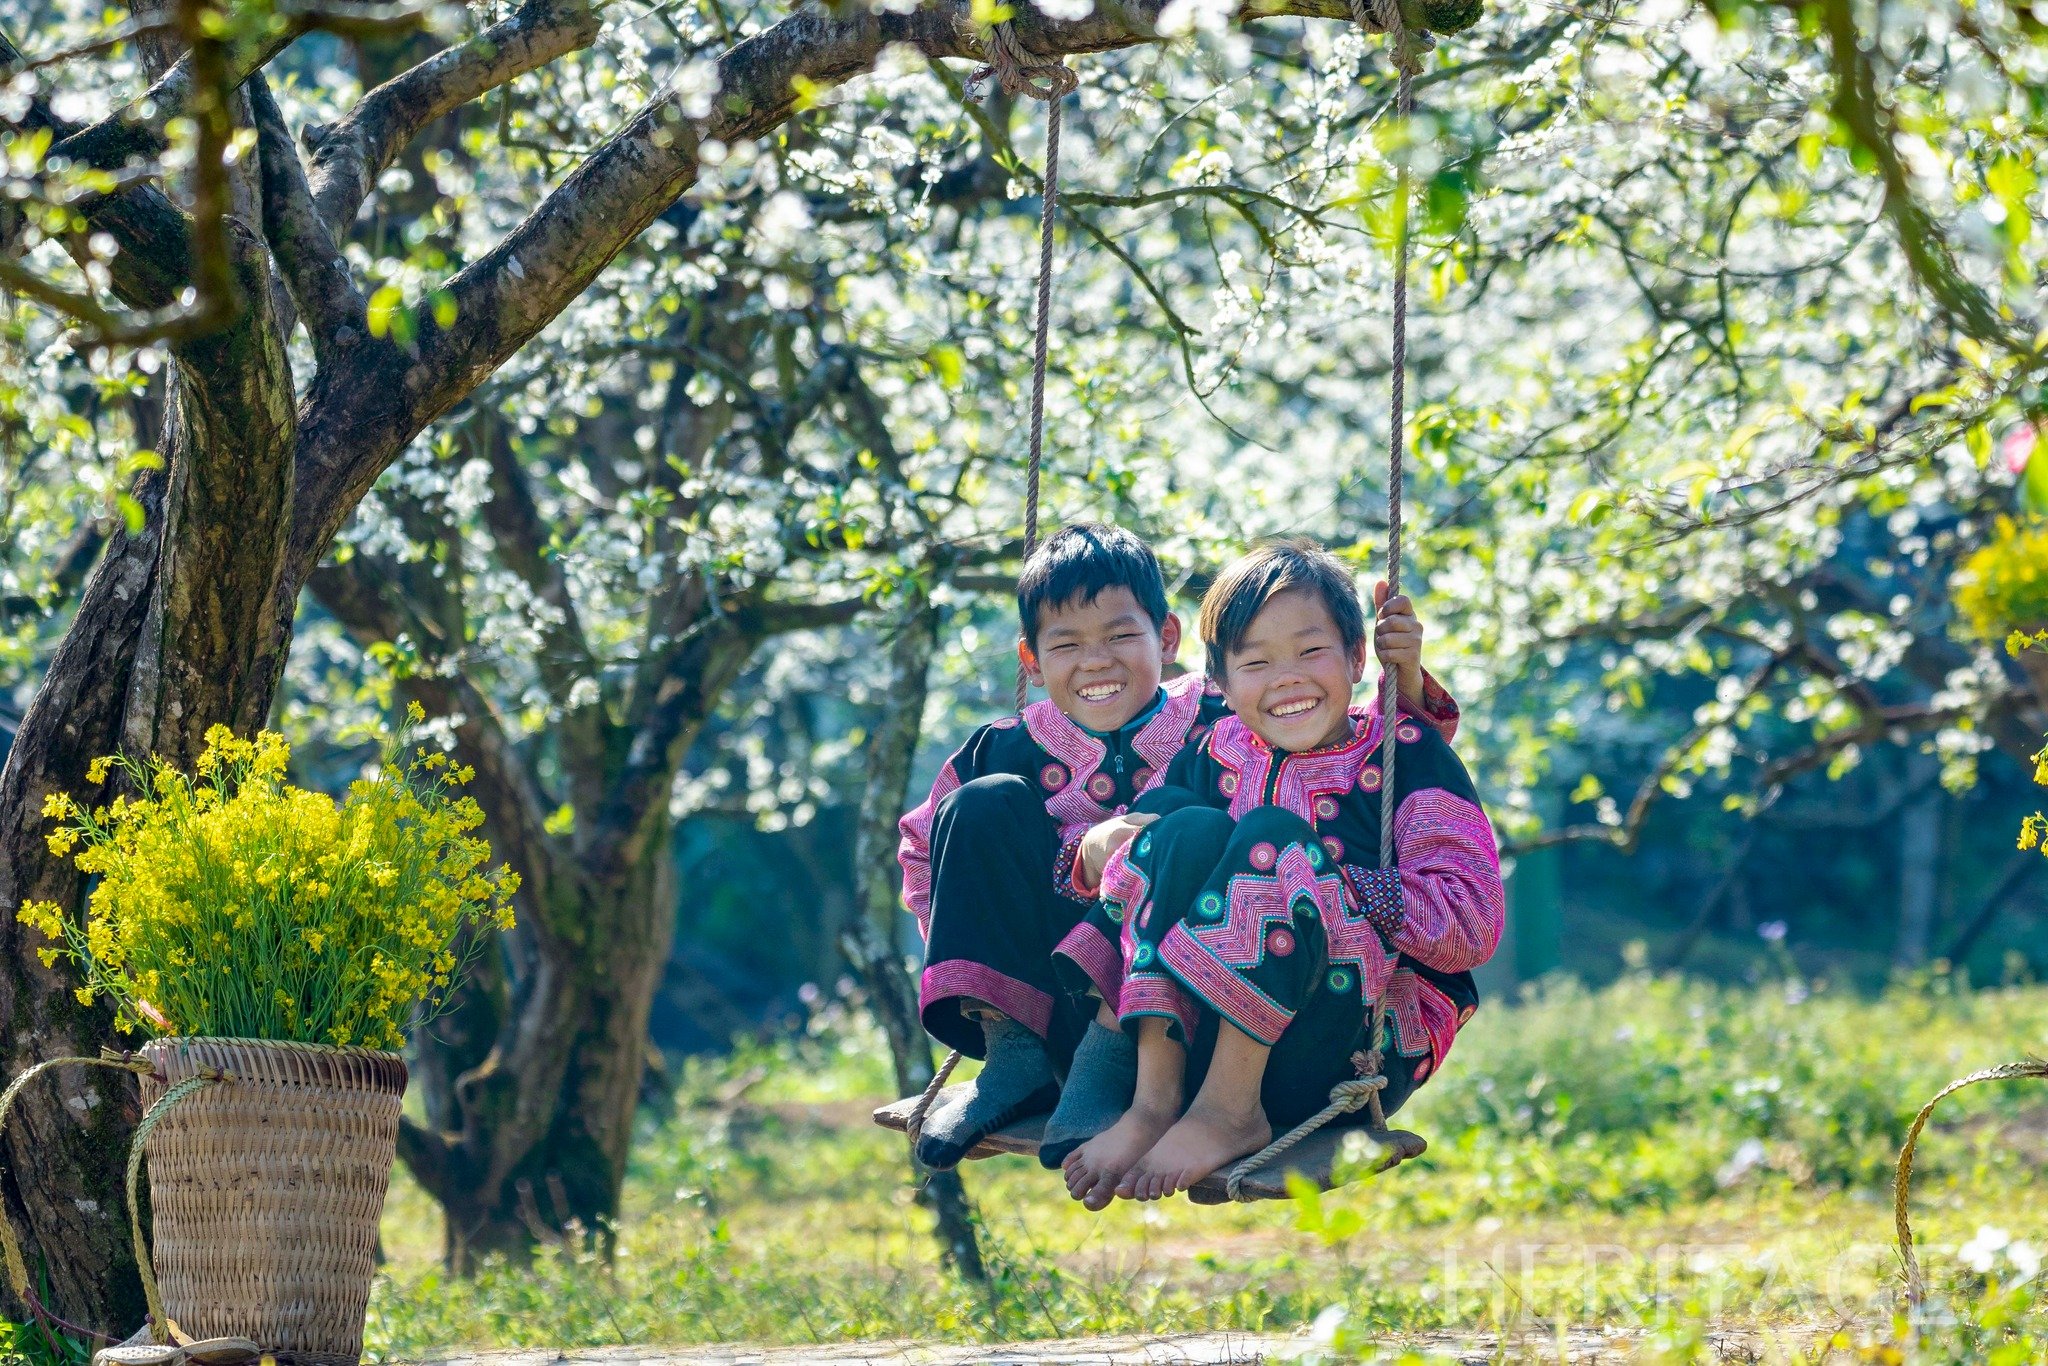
(1094, 1168)
(1205, 1138)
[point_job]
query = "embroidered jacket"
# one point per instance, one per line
(1420, 943)
(1085, 777)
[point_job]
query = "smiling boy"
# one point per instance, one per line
(999, 860)
(1257, 925)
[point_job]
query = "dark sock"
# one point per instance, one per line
(1099, 1087)
(1016, 1081)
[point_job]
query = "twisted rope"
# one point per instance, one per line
(1346, 1097)
(150, 1294)
(1407, 56)
(1020, 72)
(915, 1128)
(10, 1243)
(1902, 1184)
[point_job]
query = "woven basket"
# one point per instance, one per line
(266, 1190)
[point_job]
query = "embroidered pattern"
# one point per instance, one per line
(1067, 870)
(1082, 755)
(1421, 1019)
(1025, 1004)
(1154, 993)
(1098, 958)
(914, 851)
(1159, 739)
(1231, 934)
(1377, 893)
(1307, 783)
(1126, 893)
(1452, 904)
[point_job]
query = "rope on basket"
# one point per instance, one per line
(10, 1241)
(1348, 1097)
(160, 1320)
(1902, 1184)
(1019, 72)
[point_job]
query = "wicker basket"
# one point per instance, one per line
(266, 1190)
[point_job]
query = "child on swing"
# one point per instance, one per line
(999, 859)
(1257, 925)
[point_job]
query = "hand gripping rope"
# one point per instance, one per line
(1348, 1097)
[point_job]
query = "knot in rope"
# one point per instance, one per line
(1020, 72)
(1346, 1097)
(1354, 1095)
(1384, 16)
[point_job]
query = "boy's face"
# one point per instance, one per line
(1100, 661)
(1290, 678)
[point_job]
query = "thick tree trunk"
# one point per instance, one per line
(871, 945)
(178, 629)
(532, 1082)
(593, 998)
(63, 1149)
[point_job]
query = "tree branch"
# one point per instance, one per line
(781, 618)
(1863, 114)
(350, 155)
(363, 599)
(315, 273)
(137, 129)
(522, 539)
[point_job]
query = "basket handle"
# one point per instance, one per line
(10, 1241)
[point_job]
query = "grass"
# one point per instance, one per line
(1697, 1170)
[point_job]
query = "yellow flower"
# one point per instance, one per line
(96, 771)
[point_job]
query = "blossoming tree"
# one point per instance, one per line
(659, 347)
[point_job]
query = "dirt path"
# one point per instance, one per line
(1213, 1349)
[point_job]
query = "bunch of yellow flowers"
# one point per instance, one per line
(2003, 584)
(235, 905)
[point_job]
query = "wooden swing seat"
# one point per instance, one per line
(1314, 1157)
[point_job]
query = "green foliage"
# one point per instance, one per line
(1657, 1159)
(29, 1344)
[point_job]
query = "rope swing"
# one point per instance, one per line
(1020, 73)
(1348, 1097)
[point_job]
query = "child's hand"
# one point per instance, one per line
(1102, 841)
(1397, 640)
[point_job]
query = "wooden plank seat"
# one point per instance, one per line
(1315, 1157)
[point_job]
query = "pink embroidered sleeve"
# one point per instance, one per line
(1439, 708)
(1450, 908)
(915, 850)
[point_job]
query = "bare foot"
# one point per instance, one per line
(1094, 1168)
(1205, 1138)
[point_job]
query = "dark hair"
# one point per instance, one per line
(1245, 586)
(1077, 563)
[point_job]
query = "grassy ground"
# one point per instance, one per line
(1658, 1161)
